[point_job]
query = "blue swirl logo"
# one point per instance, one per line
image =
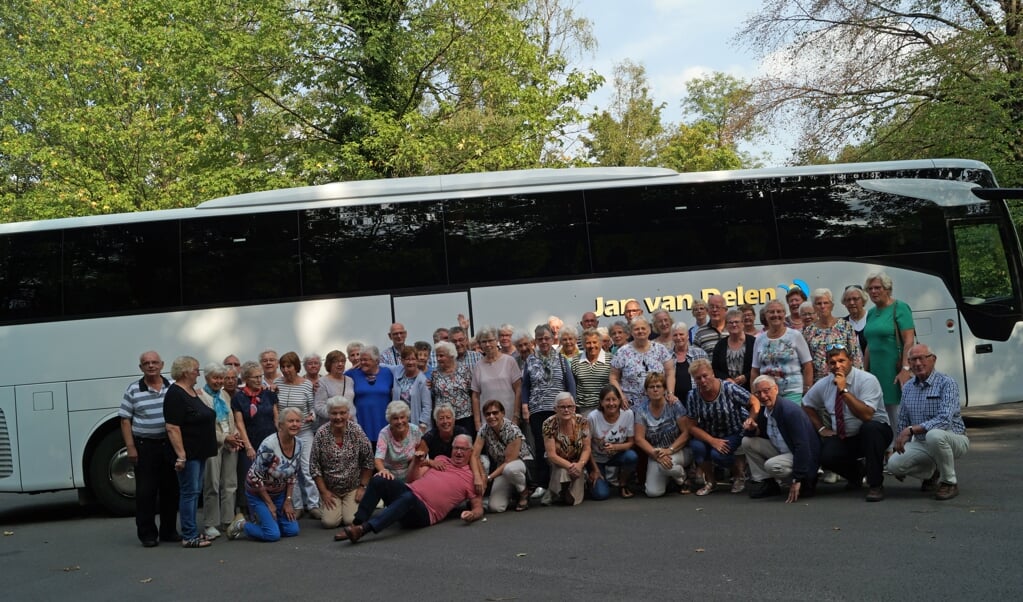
(785, 288)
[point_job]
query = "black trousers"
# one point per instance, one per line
(842, 455)
(156, 490)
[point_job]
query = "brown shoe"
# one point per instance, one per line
(930, 484)
(946, 491)
(875, 494)
(352, 533)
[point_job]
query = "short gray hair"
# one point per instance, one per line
(397, 407)
(282, 418)
(213, 368)
(443, 407)
(886, 280)
(680, 326)
(181, 365)
(445, 347)
(340, 401)
(821, 292)
(370, 350)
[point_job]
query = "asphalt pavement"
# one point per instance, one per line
(835, 546)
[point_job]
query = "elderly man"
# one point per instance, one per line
(708, 335)
(523, 346)
(427, 498)
(784, 446)
(145, 437)
(589, 320)
(632, 310)
(461, 341)
(859, 423)
(392, 355)
(931, 430)
(504, 339)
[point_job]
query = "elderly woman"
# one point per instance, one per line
(662, 326)
(546, 374)
(354, 350)
(268, 361)
(619, 333)
(270, 483)
(733, 355)
(749, 319)
(781, 352)
(496, 376)
(890, 333)
(452, 385)
(612, 431)
(341, 463)
(700, 316)
(191, 429)
(335, 383)
(717, 410)
(294, 391)
(523, 342)
(439, 440)
(396, 445)
(506, 455)
(684, 355)
(220, 484)
(255, 413)
(807, 315)
(827, 332)
(662, 430)
(312, 364)
(566, 440)
(568, 338)
(794, 299)
(410, 387)
(854, 298)
(373, 387)
(631, 365)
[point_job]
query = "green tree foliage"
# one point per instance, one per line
(122, 106)
(894, 79)
(630, 131)
(716, 116)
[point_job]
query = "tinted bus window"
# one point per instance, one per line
(818, 217)
(243, 258)
(680, 226)
(30, 276)
(127, 267)
(516, 237)
(372, 248)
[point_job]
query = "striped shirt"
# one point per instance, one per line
(144, 407)
(298, 396)
(590, 378)
(722, 416)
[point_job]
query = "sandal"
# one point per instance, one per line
(523, 503)
(625, 492)
(707, 488)
(198, 542)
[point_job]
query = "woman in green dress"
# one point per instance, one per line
(890, 333)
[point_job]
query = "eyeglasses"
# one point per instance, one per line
(920, 358)
(492, 413)
(566, 407)
(235, 364)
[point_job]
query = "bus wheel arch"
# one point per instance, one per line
(110, 476)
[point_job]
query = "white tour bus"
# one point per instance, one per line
(312, 269)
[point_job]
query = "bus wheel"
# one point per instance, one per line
(112, 476)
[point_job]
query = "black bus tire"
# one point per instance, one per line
(112, 476)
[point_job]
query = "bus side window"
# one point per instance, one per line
(30, 276)
(984, 273)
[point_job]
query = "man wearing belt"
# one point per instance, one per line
(859, 423)
(145, 436)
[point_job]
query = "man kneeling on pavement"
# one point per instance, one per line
(931, 430)
(783, 449)
(426, 499)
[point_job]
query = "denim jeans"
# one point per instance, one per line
(264, 527)
(190, 487)
(400, 505)
(627, 461)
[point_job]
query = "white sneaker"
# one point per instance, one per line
(829, 477)
(237, 527)
(538, 493)
(546, 499)
(212, 533)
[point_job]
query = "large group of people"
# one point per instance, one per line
(552, 416)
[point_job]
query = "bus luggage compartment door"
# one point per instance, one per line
(44, 447)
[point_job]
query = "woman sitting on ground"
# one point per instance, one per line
(566, 438)
(612, 431)
(503, 453)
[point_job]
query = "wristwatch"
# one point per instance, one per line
(844, 391)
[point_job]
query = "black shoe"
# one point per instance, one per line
(875, 494)
(150, 543)
(762, 489)
(930, 485)
(175, 538)
(808, 488)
